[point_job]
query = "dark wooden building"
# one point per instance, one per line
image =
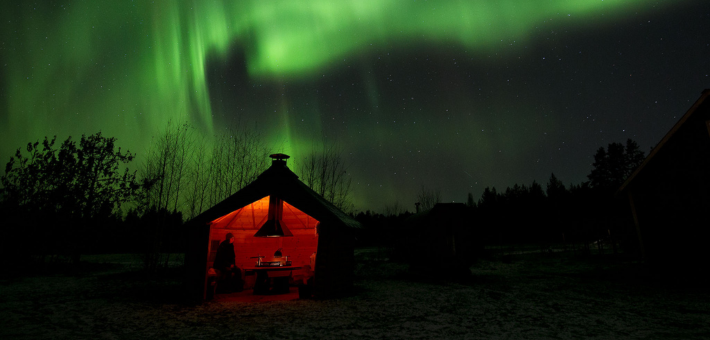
(669, 193)
(318, 233)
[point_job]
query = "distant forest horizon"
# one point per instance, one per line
(82, 197)
(179, 161)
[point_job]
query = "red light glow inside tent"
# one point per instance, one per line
(244, 222)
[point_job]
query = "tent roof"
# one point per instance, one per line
(280, 181)
(665, 139)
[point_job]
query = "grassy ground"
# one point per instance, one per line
(527, 296)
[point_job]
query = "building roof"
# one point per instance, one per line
(280, 181)
(705, 94)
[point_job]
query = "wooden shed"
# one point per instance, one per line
(317, 232)
(669, 193)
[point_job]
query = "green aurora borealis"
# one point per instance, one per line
(128, 67)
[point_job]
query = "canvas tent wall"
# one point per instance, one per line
(244, 222)
(669, 193)
(244, 212)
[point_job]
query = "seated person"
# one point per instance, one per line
(230, 277)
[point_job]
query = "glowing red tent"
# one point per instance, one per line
(276, 201)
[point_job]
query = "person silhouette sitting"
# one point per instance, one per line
(230, 276)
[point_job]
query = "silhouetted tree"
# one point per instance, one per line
(488, 198)
(167, 164)
(555, 188)
(535, 192)
(325, 171)
(192, 176)
(189, 178)
(488, 216)
(197, 180)
(237, 158)
(427, 198)
(64, 194)
(613, 165)
(393, 209)
(381, 229)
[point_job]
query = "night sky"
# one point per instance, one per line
(454, 95)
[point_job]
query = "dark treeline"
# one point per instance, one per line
(549, 214)
(60, 202)
(79, 198)
(380, 229)
(553, 215)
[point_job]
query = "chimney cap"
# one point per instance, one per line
(279, 156)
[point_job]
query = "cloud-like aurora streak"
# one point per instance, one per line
(126, 68)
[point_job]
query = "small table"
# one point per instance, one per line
(272, 280)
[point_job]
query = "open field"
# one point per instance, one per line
(531, 296)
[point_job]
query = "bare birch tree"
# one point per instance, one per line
(167, 163)
(427, 198)
(197, 183)
(167, 166)
(190, 177)
(393, 210)
(236, 158)
(325, 172)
